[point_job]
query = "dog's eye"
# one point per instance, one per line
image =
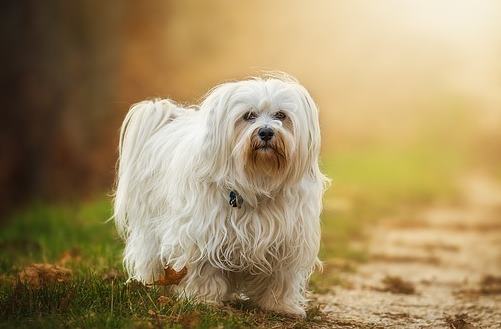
(279, 115)
(250, 116)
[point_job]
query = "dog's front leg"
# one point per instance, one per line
(204, 283)
(282, 292)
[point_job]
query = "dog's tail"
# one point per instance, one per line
(142, 121)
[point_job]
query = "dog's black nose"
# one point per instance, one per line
(265, 133)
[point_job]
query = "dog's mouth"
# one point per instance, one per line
(268, 157)
(268, 150)
(265, 147)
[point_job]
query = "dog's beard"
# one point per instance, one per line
(267, 158)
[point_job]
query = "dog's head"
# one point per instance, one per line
(262, 132)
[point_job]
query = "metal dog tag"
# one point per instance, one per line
(236, 199)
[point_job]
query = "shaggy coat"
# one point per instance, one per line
(177, 168)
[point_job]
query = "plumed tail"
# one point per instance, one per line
(142, 121)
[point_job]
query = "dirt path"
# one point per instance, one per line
(441, 270)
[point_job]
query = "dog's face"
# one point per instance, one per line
(264, 140)
(265, 132)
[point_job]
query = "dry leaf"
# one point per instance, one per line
(397, 285)
(72, 255)
(190, 320)
(36, 275)
(171, 276)
(163, 300)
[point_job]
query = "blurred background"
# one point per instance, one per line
(388, 76)
(409, 93)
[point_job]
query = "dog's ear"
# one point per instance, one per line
(309, 132)
(215, 111)
(311, 111)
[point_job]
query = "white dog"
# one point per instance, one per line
(230, 189)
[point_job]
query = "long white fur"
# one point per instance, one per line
(176, 168)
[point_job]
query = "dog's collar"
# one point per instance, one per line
(236, 199)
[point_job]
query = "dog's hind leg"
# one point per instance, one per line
(205, 283)
(141, 257)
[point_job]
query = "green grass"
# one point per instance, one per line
(89, 302)
(367, 185)
(43, 232)
(91, 299)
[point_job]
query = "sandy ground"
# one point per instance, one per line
(441, 269)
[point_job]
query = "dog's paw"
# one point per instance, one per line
(292, 310)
